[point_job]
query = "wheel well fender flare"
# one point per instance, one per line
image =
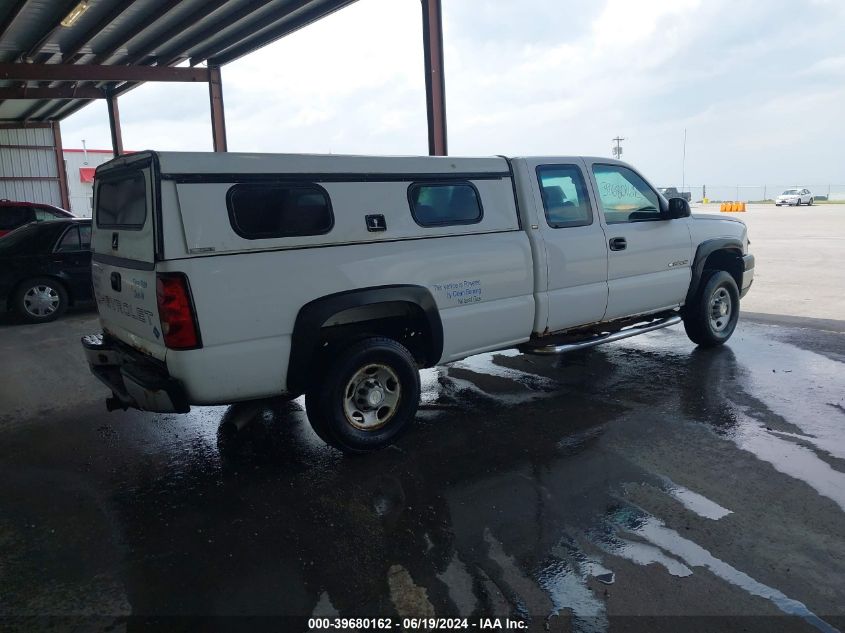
(705, 250)
(313, 315)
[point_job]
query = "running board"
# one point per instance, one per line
(604, 338)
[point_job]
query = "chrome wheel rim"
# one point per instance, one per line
(41, 300)
(372, 397)
(720, 309)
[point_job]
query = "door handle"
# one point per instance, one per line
(618, 243)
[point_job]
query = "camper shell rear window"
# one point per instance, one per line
(272, 210)
(121, 200)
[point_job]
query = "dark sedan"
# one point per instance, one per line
(46, 267)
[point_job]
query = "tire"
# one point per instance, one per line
(810, 203)
(40, 299)
(705, 321)
(367, 396)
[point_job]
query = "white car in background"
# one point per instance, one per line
(794, 197)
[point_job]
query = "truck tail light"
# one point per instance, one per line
(176, 311)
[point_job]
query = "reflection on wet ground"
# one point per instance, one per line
(642, 478)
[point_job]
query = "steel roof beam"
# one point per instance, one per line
(59, 110)
(36, 48)
(32, 113)
(174, 31)
(244, 32)
(242, 42)
(207, 33)
(95, 30)
(64, 92)
(92, 72)
(13, 13)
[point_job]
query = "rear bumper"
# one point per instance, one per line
(134, 383)
(747, 274)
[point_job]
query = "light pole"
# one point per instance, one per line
(684, 163)
(617, 151)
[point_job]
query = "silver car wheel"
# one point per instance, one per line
(41, 300)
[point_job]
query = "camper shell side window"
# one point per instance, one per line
(445, 203)
(272, 210)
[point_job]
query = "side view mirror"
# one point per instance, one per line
(678, 208)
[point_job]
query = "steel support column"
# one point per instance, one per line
(435, 81)
(218, 119)
(114, 124)
(60, 164)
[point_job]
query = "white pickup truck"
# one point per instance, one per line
(223, 277)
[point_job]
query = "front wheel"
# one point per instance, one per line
(711, 318)
(367, 396)
(810, 203)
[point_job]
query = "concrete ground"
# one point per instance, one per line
(643, 485)
(798, 252)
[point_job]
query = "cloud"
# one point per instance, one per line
(757, 90)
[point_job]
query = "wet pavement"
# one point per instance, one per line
(643, 478)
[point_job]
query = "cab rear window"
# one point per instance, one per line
(121, 201)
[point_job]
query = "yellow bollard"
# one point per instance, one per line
(723, 207)
(742, 207)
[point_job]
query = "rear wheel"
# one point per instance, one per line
(41, 299)
(712, 317)
(367, 397)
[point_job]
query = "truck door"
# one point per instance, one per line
(574, 244)
(649, 257)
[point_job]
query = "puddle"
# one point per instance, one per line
(695, 502)
(808, 396)
(437, 382)
(693, 555)
(566, 585)
(790, 458)
(459, 583)
(484, 364)
(640, 553)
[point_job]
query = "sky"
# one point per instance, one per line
(759, 87)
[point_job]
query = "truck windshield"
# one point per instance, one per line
(121, 200)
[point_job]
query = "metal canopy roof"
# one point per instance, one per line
(127, 34)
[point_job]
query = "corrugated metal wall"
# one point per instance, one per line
(29, 170)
